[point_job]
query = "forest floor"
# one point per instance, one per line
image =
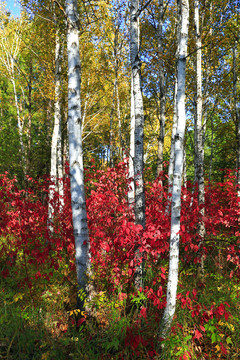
(40, 322)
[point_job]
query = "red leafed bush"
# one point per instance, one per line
(113, 234)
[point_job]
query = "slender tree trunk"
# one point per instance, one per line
(131, 191)
(211, 155)
(172, 150)
(56, 146)
(111, 124)
(184, 167)
(58, 113)
(122, 154)
(139, 127)
(236, 110)
(29, 127)
(19, 120)
(79, 214)
(199, 129)
(174, 125)
(162, 91)
(60, 170)
(177, 174)
(9, 57)
(174, 129)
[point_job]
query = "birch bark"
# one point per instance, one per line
(79, 214)
(174, 125)
(9, 56)
(177, 173)
(111, 152)
(131, 191)
(199, 127)
(174, 128)
(56, 151)
(162, 94)
(122, 151)
(139, 126)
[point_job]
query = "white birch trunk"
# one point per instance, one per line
(139, 127)
(56, 145)
(19, 121)
(174, 125)
(60, 171)
(111, 152)
(199, 127)
(131, 191)
(177, 174)
(122, 152)
(58, 113)
(162, 91)
(8, 58)
(174, 129)
(79, 213)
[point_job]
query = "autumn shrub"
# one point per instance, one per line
(37, 259)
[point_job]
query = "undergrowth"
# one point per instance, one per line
(38, 292)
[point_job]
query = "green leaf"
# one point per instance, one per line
(214, 338)
(188, 337)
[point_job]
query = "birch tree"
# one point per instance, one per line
(174, 124)
(139, 125)
(56, 172)
(199, 127)
(9, 55)
(79, 214)
(131, 191)
(174, 127)
(162, 86)
(178, 171)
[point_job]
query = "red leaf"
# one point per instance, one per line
(194, 292)
(226, 315)
(143, 312)
(197, 335)
(202, 328)
(224, 350)
(81, 321)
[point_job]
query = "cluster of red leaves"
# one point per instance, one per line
(202, 316)
(114, 236)
(136, 342)
(23, 228)
(25, 237)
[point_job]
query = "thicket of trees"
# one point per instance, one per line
(28, 67)
(152, 85)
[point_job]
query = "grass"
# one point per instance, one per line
(39, 323)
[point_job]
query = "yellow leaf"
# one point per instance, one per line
(45, 356)
(231, 327)
(17, 297)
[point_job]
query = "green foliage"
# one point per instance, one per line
(138, 299)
